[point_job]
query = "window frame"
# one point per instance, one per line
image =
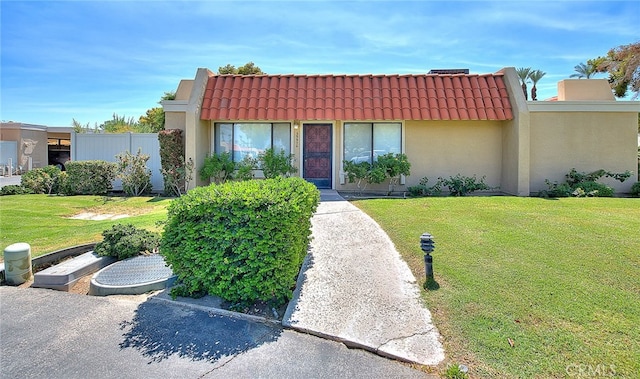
(372, 157)
(217, 125)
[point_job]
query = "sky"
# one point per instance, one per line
(86, 60)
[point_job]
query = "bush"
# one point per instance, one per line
(135, 175)
(14, 189)
(556, 189)
(88, 177)
(220, 167)
(583, 184)
(592, 189)
(244, 168)
(423, 190)
(385, 166)
(241, 241)
(125, 241)
(176, 171)
(635, 189)
(276, 164)
(460, 185)
(41, 180)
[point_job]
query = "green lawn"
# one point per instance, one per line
(43, 221)
(560, 278)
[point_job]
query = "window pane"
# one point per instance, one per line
(250, 140)
(223, 142)
(357, 142)
(282, 138)
(387, 139)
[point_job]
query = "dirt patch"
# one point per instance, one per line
(82, 286)
(98, 216)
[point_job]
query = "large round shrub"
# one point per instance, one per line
(241, 241)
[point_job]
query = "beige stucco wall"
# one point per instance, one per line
(446, 148)
(32, 142)
(515, 140)
(586, 141)
(175, 120)
(584, 89)
(9, 134)
(184, 89)
(198, 132)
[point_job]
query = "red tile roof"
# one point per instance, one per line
(356, 97)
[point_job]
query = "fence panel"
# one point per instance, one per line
(86, 147)
(8, 153)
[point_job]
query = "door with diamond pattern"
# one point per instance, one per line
(316, 154)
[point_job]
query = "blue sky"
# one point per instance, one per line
(89, 59)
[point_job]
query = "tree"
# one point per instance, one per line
(171, 95)
(152, 121)
(523, 74)
(535, 77)
(119, 124)
(229, 69)
(622, 63)
(584, 70)
(248, 69)
(79, 128)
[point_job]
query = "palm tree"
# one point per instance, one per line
(535, 77)
(523, 74)
(583, 71)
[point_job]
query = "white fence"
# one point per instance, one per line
(105, 147)
(8, 156)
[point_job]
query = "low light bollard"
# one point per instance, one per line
(17, 263)
(427, 245)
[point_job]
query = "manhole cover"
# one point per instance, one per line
(132, 276)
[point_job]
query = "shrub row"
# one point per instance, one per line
(458, 185)
(88, 177)
(385, 166)
(242, 241)
(80, 178)
(581, 184)
(220, 168)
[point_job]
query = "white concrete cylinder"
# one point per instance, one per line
(17, 263)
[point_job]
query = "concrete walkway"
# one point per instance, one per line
(355, 288)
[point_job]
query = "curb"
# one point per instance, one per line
(213, 310)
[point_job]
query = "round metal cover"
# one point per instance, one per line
(137, 270)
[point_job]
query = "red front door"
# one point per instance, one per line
(316, 154)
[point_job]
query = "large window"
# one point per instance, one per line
(364, 142)
(251, 139)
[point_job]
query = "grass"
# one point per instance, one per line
(560, 278)
(43, 221)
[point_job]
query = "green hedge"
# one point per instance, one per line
(41, 180)
(241, 241)
(88, 177)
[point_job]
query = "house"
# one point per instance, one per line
(29, 146)
(445, 122)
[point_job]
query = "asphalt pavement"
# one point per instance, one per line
(52, 334)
